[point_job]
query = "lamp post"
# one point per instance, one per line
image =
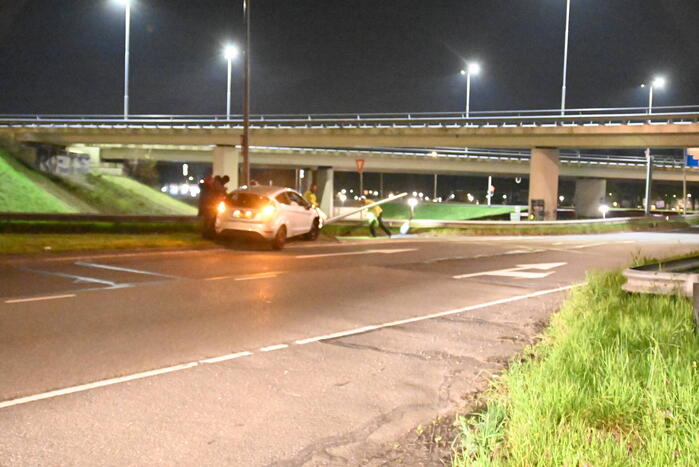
(229, 52)
(245, 137)
(658, 82)
(127, 14)
(565, 60)
(472, 69)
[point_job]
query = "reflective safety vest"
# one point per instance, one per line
(311, 198)
(376, 210)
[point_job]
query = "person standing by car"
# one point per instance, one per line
(311, 197)
(375, 215)
(207, 206)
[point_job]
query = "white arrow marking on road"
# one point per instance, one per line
(519, 272)
(363, 252)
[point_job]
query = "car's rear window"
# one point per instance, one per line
(247, 200)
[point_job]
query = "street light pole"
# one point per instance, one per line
(127, 46)
(230, 52)
(565, 60)
(471, 69)
(657, 82)
(245, 138)
(468, 94)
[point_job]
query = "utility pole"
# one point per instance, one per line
(245, 138)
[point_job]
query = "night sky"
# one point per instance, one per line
(330, 56)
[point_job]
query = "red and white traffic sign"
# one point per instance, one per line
(360, 165)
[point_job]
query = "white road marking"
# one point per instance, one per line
(252, 277)
(270, 348)
(442, 314)
(117, 268)
(262, 275)
(518, 272)
(109, 284)
(336, 335)
(224, 358)
(37, 299)
(363, 252)
(185, 366)
(95, 385)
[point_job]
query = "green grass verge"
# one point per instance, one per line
(80, 227)
(443, 211)
(19, 192)
(613, 382)
(111, 194)
(16, 244)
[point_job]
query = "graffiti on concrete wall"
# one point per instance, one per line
(64, 164)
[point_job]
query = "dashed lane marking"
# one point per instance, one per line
(232, 356)
(362, 252)
(121, 269)
(38, 299)
(271, 348)
(249, 277)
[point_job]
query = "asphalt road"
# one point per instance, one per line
(322, 354)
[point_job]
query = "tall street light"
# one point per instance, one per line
(565, 60)
(658, 82)
(245, 138)
(472, 69)
(127, 13)
(230, 52)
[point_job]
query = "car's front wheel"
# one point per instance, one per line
(315, 230)
(279, 239)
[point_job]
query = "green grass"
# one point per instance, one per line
(111, 194)
(16, 244)
(443, 211)
(613, 382)
(79, 227)
(19, 192)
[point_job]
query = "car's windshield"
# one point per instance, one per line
(247, 200)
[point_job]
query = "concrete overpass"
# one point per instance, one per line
(599, 131)
(442, 162)
(543, 134)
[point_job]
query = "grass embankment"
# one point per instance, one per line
(20, 192)
(16, 244)
(613, 382)
(111, 194)
(443, 211)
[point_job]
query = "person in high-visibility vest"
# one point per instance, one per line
(375, 216)
(310, 195)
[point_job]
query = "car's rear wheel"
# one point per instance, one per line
(279, 239)
(315, 230)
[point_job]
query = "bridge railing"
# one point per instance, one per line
(592, 115)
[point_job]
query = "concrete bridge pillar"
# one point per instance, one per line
(324, 178)
(589, 194)
(543, 183)
(226, 161)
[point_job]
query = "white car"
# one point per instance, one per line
(271, 213)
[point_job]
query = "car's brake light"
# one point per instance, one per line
(268, 211)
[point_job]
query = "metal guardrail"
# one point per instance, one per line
(665, 278)
(55, 217)
(591, 116)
